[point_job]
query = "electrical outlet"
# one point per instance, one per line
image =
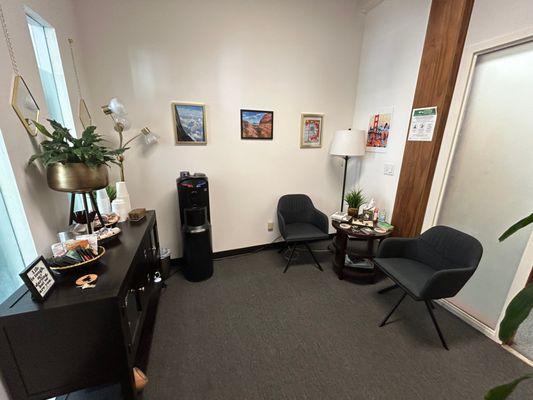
(388, 169)
(270, 226)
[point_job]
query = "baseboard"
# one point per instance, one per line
(176, 262)
(480, 326)
(249, 249)
(518, 355)
(242, 250)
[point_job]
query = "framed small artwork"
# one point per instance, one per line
(378, 132)
(189, 123)
(257, 124)
(39, 279)
(311, 131)
(24, 105)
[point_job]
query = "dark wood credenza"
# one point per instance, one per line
(85, 338)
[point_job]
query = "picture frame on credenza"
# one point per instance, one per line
(39, 279)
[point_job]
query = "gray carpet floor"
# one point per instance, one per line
(251, 332)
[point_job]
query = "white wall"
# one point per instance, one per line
(390, 57)
(47, 211)
(287, 56)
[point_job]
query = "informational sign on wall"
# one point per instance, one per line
(422, 124)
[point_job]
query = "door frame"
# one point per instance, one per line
(449, 142)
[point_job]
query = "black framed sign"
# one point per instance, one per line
(39, 279)
(256, 124)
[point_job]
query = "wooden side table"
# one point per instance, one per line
(362, 275)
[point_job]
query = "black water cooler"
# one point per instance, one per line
(193, 193)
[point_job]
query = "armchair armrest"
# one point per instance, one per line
(281, 223)
(396, 247)
(321, 221)
(446, 283)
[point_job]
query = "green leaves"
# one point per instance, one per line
(503, 391)
(355, 198)
(62, 147)
(519, 225)
(517, 311)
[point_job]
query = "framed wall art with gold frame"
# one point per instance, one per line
(311, 129)
(189, 123)
(24, 105)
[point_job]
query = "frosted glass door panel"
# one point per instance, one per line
(490, 182)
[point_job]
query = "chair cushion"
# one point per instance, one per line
(410, 274)
(303, 231)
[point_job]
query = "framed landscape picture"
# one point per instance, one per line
(311, 131)
(257, 124)
(189, 123)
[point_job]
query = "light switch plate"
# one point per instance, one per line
(388, 169)
(270, 226)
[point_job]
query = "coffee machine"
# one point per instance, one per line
(195, 215)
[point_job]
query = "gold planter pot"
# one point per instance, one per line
(76, 177)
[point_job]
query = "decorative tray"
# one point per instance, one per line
(68, 268)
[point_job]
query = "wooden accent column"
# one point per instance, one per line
(443, 48)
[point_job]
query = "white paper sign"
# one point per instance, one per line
(423, 124)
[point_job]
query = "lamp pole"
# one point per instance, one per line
(344, 181)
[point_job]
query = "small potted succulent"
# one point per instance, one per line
(355, 198)
(72, 164)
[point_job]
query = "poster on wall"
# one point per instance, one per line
(377, 136)
(422, 124)
(311, 131)
(189, 123)
(257, 124)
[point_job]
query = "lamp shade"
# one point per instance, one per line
(348, 143)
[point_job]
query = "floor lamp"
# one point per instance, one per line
(346, 144)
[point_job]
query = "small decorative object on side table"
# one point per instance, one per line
(365, 274)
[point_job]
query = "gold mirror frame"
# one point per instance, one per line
(27, 122)
(84, 115)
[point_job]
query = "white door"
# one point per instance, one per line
(485, 182)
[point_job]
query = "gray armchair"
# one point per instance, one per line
(299, 223)
(436, 265)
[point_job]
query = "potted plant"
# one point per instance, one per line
(74, 165)
(355, 199)
(517, 312)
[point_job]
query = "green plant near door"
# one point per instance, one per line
(355, 199)
(517, 312)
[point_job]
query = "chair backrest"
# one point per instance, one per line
(443, 247)
(296, 208)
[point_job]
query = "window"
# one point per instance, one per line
(16, 243)
(43, 37)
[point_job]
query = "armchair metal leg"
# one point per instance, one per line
(428, 306)
(388, 288)
(314, 258)
(392, 311)
(290, 258)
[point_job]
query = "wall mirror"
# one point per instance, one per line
(84, 115)
(25, 105)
